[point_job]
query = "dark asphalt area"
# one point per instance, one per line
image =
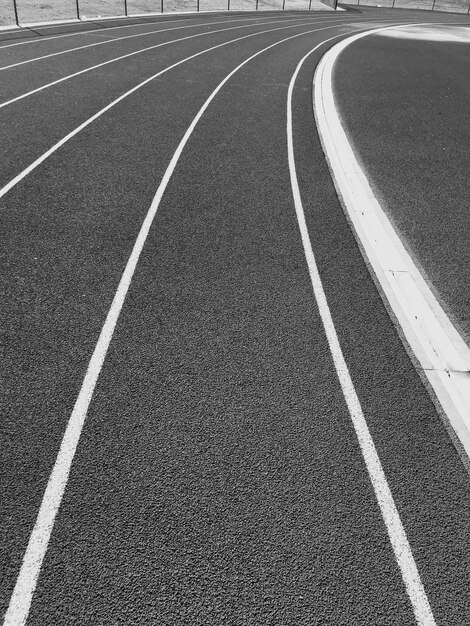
(411, 126)
(218, 478)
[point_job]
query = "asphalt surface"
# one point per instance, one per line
(410, 126)
(218, 478)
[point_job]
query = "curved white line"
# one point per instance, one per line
(443, 355)
(390, 515)
(20, 602)
(140, 51)
(105, 29)
(145, 34)
(39, 39)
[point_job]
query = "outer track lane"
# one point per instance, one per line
(66, 239)
(250, 351)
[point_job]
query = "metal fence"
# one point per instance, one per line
(450, 6)
(24, 12)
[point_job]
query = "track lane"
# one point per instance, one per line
(78, 233)
(181, 379)
(215, 459)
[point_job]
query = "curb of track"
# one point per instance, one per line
(441, 355)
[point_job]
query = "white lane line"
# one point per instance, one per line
(396, 532)
(263, 15)
(20, 602)
(111, 40)
(39, 39)
(141, 51)
(443, 355)
(4, 190)
(114, 39)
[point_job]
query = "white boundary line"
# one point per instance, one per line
(4, 190)
(118, 39)
(142, 50)
(39, 39)
(18, 609)
(391, 517)
(443, 356)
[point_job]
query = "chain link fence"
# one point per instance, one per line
(25, 12)
(450, 6)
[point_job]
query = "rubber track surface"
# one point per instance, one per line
(218, 479)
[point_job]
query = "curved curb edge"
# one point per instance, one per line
(440, 354)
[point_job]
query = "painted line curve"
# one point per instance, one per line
(142, 50)
(19, 606)
(391, 517)
(12, 183)
(125, 38)
(108, 28)
(443, 356)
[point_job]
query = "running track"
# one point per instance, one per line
(218, 478)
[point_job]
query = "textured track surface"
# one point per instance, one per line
(218, 478)
(410, 126)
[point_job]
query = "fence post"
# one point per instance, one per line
(197, 8)
(283, 4)
(256, 5)
(310, 5)
(77, 6)
(228, 5)
(15, 9)
(125, 8)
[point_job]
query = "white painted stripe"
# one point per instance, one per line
(145, 34)
(20, 602)
(39, 39)
(4, 190)
(443, 355)
(111, 40)
(263, 15)
(142, 50)
(396, 532)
